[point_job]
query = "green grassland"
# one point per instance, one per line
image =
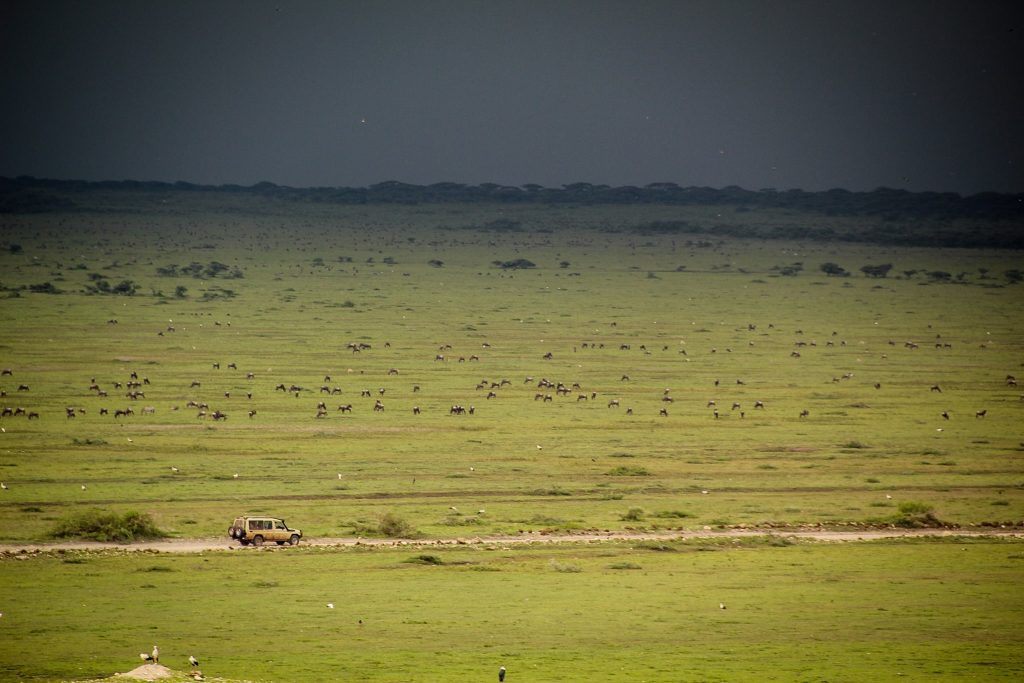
(301, 283)
(935, 611)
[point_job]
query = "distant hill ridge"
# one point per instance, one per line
(26, 194)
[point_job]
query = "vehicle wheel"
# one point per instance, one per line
(233, 532)
(294, 540)
(257, 540)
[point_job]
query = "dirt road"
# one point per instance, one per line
(198, 545)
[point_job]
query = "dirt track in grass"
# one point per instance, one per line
(199, 545)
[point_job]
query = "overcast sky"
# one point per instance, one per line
(821, 94)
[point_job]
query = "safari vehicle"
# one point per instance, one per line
(257, 530)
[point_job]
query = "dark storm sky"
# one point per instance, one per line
(918, 95)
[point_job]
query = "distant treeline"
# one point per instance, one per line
(27, 194)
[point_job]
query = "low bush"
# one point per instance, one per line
(100, 525)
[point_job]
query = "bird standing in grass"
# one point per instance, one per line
(501, 674)
(193, 661)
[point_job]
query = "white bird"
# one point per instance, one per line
(539, 447)
(888, 497)
(129, 441)
(236, 475)
(3, 486)
(173, 468)
(721, 605)
(330, 605)
(83, 487)
(193, 661)
(145, 657)
(155, 654)
(704, 491)
(339, 475)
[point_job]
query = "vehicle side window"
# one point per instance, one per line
(253, 524)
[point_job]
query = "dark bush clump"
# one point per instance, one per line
(100, 525)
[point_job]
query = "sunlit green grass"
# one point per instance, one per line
(938, 611)
(298, 306)
(920, 611)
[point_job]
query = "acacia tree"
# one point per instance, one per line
(833, 269)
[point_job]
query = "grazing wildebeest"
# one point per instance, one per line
(23, 387)
(474, 357)
(378, 407)
(123, 413)
(472, 410)
(295, 388)
(581, 397)
(227, 394)
(456, 410)
(735, 405)
(250, 375)
(104, 411)
(759, 404)
(663, 412)
(936, 387)
(667, 399)
(148, 410)
(325, 389)
(548, 355)
(216, 366)
(335, 391)
(981, 413)
(7, 371)
(625, 378)
(415, 388)
(252, 413)
(70, 412)
(491, 394)
(365, 393)
(280, 387)
(614, 403)
(232, 366)
(805, 413)
(321, 412)
(217, 415)
(347, 408)
(537, 397)
(439, 357)
(945, 414)
(393, 371)
(321, 406)
(32, 415)
(195, 383)
(878, 385)
(415, 410)
(547, 398)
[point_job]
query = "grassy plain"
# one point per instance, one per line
(926, 611)
(693, 310)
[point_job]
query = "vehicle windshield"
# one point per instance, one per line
(279, 524)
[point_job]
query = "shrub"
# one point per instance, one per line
(393, 526)
(915, 515)
(634, 514)
(628, 471)
(99, 525)
(425, 559)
